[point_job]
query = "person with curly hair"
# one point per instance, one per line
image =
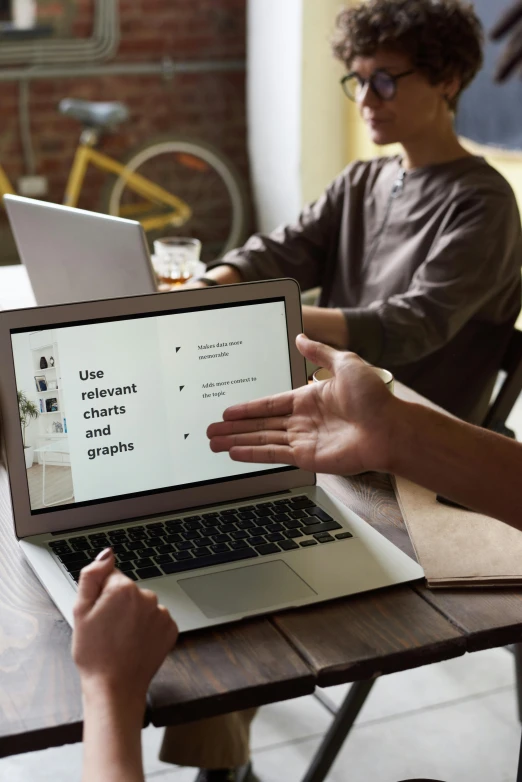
(417, 255)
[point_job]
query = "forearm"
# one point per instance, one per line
(326, 325)
(476, 468)
(112, 738)
(224, 275)
(299, 250)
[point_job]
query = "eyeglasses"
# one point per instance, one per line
(383, 84)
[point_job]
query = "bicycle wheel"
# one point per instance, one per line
(198, 174)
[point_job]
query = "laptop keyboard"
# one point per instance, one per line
(160, 548)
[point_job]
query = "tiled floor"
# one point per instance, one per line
(455, 721)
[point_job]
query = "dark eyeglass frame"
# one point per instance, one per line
(371, 81)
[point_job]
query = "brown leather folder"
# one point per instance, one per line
(458, 547)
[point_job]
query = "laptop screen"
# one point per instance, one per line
(119, 407)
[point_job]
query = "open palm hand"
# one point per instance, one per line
(342, 425)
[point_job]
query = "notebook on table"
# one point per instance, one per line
(121, 456)
(457, 547)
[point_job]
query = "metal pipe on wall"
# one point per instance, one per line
(166, 68)
(100, 46)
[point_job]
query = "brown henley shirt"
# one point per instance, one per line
(428, 280)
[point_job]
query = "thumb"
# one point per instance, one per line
(322, 355)
(92, 580)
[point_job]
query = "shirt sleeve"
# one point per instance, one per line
(475, 259)
(299, 250)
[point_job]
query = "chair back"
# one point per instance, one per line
(511, 364)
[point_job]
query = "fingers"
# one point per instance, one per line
(225, 443)
(92, 580)
(280, 404)
(117, 586)
(322, 355)
(269, 406)
(171, 628)
(150, 596)
(263, 454)
(222, 428)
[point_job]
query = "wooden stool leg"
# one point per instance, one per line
(338, 730)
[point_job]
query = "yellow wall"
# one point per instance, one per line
(323, 130)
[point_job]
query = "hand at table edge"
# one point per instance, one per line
(112, 617)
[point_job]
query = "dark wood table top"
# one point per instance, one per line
(252, 662)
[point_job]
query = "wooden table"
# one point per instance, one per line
(250, 663)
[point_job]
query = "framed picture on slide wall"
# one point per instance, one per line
(51, 405)
(41, 382)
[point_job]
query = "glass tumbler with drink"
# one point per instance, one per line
(176, 260)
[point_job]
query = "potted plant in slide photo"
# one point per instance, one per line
(28, 412)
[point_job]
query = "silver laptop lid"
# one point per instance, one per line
(125, 390)
(75, 255)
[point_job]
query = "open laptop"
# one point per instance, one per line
(75, 255)
(127, 388)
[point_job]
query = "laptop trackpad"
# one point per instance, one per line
(244, 589)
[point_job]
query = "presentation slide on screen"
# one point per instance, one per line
(124, 405)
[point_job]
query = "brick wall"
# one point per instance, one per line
(209, 106)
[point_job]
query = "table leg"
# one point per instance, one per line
(338, 731)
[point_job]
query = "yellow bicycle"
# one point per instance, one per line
(172, 185)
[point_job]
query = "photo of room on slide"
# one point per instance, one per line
(43, 419)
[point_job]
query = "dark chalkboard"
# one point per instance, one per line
(490, 113)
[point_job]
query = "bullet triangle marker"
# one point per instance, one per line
(185, 436)
(178, 348)
(181, 388)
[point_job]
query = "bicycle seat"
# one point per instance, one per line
(94, 114)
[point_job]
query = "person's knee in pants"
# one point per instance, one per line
(217, 742)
